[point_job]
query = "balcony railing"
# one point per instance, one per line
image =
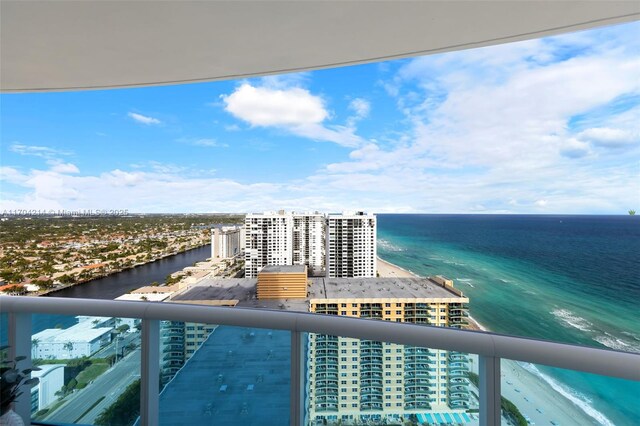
(490, 347)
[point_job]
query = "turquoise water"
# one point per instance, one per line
(572, 279)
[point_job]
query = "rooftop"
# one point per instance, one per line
(248, 373)
(287, 269)
(232, 289)
(75, 334)
(241, 292)
(156, 289)
(150, 297)
(371, 288)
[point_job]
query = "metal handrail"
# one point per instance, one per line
(604, 362)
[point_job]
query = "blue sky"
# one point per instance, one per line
(542, 126)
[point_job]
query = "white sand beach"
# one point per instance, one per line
(534, 397)
(537, 400)
(389, 270)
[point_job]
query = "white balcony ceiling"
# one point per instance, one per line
(72, 45)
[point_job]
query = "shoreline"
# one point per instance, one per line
(391, 270)
(536, 397)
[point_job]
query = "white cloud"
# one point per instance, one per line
(144, 119)
(361, 107)
(203, 142)
(212, 143)
(60, 167)
(37, 151)
(608, 137)
(574, 148)
(292, 109)
(263, 106)
(493, 128)
(342, 135)
(11, 175)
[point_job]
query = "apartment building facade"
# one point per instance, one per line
(351, 245)
(335, 245)
(309, 242)
(226, 242)
(179, 341)
(269, 241)
(354, 381)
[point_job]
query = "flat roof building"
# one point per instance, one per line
(77, 341)
(351, 380)
(358, 380)
(282, 282)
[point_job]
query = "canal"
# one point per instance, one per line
(113, 286)
(123, 282)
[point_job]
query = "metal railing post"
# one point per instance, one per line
(297, 379)
(489, 387)
(19, 332)
(150, 373)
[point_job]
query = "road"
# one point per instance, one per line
(123, 341)
(109, 385)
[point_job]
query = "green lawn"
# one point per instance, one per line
(91, 372)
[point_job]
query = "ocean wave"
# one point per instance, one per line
(632, 335)
(580, 400)
(466, 281)
(451, 262)
(571, 319)
(604, 338)
(613, 342)
(386, 245)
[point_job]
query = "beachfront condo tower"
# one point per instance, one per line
(335, 245)
(309, 231)
(269, 241)
(354, 381)
(226, 242)
(351, 245)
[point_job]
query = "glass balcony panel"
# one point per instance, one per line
(232, 375)
(379, 382)
(4, 321)
(553, 396)
(90, 369)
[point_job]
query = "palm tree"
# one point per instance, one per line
(34, 345)
(632, 212)
(68, 347)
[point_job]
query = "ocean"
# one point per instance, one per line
(571, 279)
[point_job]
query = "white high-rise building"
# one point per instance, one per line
(336, 246)
(269, 241)
(351, 245)
(226, 242)
(309, 241)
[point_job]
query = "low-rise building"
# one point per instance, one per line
(282, 282)
(51, 380)
(77, 341)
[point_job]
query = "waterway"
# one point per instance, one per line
(123, 282)
(113, 286)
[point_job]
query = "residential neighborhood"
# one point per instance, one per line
(40, 254)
